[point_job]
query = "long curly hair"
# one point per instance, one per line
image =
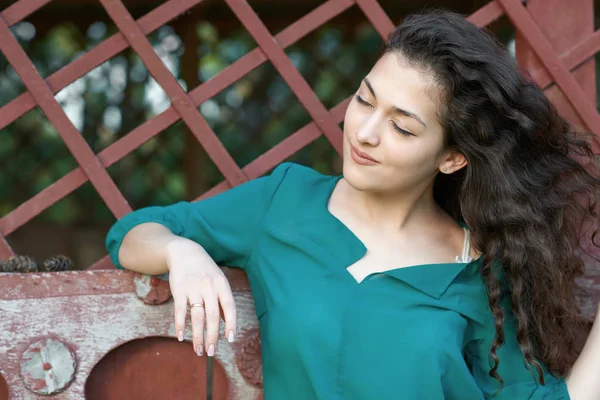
(530, 187)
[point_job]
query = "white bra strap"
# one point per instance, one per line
(466, 248)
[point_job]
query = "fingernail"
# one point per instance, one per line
(230, 337)
(180, 336)
(211, 350)
(199, 350)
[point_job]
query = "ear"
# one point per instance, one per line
(452, 161)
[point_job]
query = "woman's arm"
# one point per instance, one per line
(147, 247)
(190, 240)
(225, 226)
(583, 382)
(144, 248)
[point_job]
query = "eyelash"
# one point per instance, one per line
(394, 126)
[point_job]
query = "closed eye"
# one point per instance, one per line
(361, 101)
(401, 131)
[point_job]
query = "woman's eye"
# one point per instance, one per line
(401, 131)
(361, 101)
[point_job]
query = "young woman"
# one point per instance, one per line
(440, 265)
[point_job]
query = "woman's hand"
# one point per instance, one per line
(582, 381)
(196, 279)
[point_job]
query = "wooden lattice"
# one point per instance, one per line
(92, 167)
(547, 65)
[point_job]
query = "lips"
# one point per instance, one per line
(362, 158)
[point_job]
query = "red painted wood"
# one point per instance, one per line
(147, 130)
(5, 249)
(572, 25)
(42, 200)
(377, 17)
(68, 283)
(179, 99)
(573, 57)
(314, 19)
(487, 14)
(288, 72)
(93, 58)
(150, 128)
(91, 313)
(293, 143)
(258, 167)
(150, 368)
(543, 48)
(20, 10)
(278, 153)
(73, 140)
(3, 388)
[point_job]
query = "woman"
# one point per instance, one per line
(440, 265)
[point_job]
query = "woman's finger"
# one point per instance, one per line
(211, 303)
(228, 307)
(198, 318)
(180, 311)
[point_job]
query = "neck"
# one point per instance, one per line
(392, 211)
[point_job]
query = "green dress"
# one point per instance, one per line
(419, 332)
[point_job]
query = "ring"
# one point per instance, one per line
(200, 305)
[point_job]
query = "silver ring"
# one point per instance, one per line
(200, 305)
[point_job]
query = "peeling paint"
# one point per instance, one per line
(47, 366)
(91, 323)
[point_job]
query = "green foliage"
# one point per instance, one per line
(249, 117)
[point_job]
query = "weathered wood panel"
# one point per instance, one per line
(56, 327)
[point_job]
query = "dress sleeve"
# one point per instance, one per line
(519, 382)
(225, 225)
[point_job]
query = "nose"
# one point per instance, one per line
(368, 132)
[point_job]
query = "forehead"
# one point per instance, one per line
(398, 83)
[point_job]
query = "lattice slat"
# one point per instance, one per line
(5, 250)
(542, 47)
(288, 72)
(44, 97)
(152, 127)
(20, 10)
(42, 201)
(179, 99)
(486, 14)
(377, 17)
(270, 49)
(577, 55)
(95, 57)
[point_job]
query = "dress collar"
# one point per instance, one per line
(347, 248)
(431, 279)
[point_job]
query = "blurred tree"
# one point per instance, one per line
(249, 117)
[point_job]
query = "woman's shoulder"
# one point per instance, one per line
(299, 171)
(296, 189)
(299, 179)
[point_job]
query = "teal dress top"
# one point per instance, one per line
(418, 332)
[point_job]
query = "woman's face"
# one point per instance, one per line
(393, 120)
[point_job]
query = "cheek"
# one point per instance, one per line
(411, 155)
(350, 119)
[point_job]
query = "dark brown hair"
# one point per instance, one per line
(529, 188)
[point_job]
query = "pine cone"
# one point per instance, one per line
(57, 264)
(20, 264)
(4, 266)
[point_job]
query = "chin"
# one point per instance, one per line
(360, 177)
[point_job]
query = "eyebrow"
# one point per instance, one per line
(394, 108)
